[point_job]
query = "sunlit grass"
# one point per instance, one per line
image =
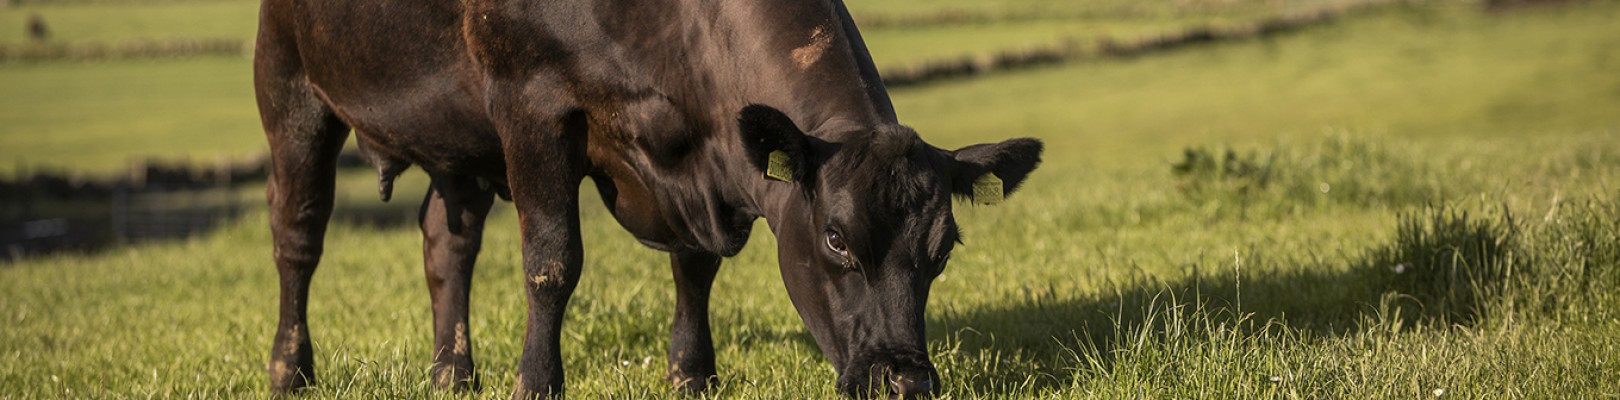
(120, 21)
(1108, 276)
(1437, 72)
(1183, 302)
(99, 117)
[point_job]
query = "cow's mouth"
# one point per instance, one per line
(896, 375)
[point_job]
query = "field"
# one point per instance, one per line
(1419, 200)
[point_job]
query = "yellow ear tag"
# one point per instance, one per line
(987, 190)
(778, 167)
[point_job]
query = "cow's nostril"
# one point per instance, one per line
(906, 387)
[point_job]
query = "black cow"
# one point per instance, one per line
(693, 117)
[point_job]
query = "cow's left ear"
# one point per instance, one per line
(985, 173)
(775, 144)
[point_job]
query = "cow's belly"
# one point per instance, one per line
(426, 122)
(439, 146)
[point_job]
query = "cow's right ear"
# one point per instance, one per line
(775, 145)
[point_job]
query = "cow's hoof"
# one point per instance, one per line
(286, 379)
(454, 379)
(529, 389)
(694, 384)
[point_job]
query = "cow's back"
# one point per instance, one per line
(425, 82)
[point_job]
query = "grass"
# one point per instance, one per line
(1435, 72)
(116, 22)
(1475, 150)
(99, 117)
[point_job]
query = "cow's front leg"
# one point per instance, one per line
(544, 171)
(691, 346)
(551, 263)
(452, 222)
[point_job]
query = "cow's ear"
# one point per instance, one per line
(987, 173)
(775, 145)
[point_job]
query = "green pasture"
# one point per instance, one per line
(99, 117)
(1420, 201)
(120, 21)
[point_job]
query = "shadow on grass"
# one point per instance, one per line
(1442, 264)
(38, 227)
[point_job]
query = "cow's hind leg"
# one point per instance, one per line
(452, 221)
(305, 138)
(691, 346)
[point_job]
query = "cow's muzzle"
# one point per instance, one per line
(903, 375)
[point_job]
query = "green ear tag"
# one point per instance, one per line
(778, 167)
(987, 190)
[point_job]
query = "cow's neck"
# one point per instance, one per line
(815, 68)
(837, 94)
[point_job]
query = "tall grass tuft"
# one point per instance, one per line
(1447, 260)
(1572, 269)
(1465, 269)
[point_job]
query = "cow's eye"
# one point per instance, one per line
(835, 242)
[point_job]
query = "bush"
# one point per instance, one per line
(1341, 170)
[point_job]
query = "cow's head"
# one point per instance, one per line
(866, 234)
